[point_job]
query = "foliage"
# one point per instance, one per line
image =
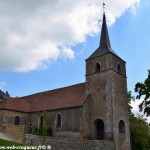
(140, 133)
(36, 131)
(49, 131)
(130, 98)
(139, 128)
(7, 94)
(44, 129)
(143, 90)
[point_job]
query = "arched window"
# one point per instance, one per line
(59, 119)
(121, 126)
(97, 68)
(119, 68)
(17, 120)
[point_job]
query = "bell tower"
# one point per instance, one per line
(106, 84)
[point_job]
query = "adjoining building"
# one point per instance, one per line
(96, 109)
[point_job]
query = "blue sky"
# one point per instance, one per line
(44, 47)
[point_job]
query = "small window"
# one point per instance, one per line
(58, 125)
(121, 126)
(17, 120)
(97, 68)
(119, 68)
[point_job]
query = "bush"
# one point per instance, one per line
(49, 131)
(36, 131)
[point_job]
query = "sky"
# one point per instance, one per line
(44, 43)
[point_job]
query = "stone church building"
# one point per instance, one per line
(94, 110)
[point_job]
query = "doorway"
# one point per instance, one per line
(99, 129)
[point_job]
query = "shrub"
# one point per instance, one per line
(49, 131)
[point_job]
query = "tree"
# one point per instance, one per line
(130, 98)
(140, 133)
(143, 90)
(44, 129)
(7, 94)
(139, 129)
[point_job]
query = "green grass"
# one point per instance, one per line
(6, 143)
(9, 143)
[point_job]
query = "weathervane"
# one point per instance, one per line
(103, 7)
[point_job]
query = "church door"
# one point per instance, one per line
(99, 129)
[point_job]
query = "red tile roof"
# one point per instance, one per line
(67, 97)
(16, 104)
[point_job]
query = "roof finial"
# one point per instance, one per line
(103, 8)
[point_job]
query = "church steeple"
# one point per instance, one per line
(104, 46)
(104, 40)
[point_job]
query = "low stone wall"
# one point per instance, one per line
(67, 134)
(70, 144)
(15, 131)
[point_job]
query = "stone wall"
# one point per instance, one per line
(8, 117)
(70, 144)
(70, 123)
(108, 96)
(16, 131)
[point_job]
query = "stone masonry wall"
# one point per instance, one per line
(70, 144)
(8, 117)
(16, 131)
(108, 96)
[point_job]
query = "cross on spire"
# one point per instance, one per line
(103, 7)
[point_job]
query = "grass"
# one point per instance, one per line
(9, 143)
(5, 143)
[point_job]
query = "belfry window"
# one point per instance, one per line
(119, 68)
(17, 120)
(121, 126)
(97, 68)
(59, 120)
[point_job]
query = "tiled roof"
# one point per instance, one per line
(16, 104)
(67, 97)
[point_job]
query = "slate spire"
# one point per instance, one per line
(104, 39)
(104, 45)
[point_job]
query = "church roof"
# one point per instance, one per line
(67, 97)
(104, 46)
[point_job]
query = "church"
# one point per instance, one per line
(94, 110)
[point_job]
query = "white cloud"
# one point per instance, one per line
(2, 85)
(135, 104)
(35, 32)
(67, 52)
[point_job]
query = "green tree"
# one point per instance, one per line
(7, 94)
(143, 90)
(140, 133)
(139, 129)
(130, 99)
(44, 129)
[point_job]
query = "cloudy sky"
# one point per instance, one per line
(43, 43)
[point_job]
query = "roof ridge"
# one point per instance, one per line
(51, 90)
